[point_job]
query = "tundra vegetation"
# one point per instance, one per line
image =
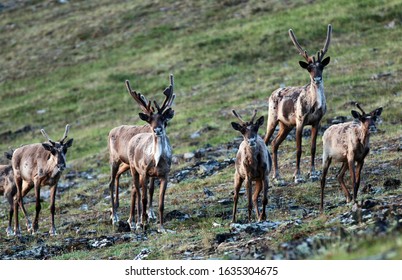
(67, 63)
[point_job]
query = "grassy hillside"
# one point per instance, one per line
(67, 63)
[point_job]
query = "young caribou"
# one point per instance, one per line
(150, 155)
(348, 143)
(253, 163)
(117, 144)
(37, 165)
(298, 107)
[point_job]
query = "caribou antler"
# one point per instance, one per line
(47, 136)
(360, 108)
(140, 99)
(168, 92)
(238, 116)
(254, 114)
(65, 133)
(323, 51)
(303, 52)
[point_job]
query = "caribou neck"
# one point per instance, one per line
(365, 135)
(316, 93)
(160, 147)
(51, 167)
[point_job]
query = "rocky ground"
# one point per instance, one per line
(378, 214)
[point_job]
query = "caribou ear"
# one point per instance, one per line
(325, 62)
(144, 117)
(69, 143)
(260, 121)
(48, 147)
(356, 114)
(8, 155)
(303, 64)
(378, 111)
(169, 114)
(236, 126)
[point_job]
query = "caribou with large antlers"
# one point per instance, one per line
(118, 140)
(37, 165)
(150, 154)
(298, 107)
(253, 163)
(348, 143)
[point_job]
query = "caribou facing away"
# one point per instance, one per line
(253, 163)
(37, 165)
(118, 140)
(348, 143)
(117, 144)
(150, 154)
(298, 107)
(8, 188)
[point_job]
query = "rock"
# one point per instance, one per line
(104, 242)
(208, 193)
(369, 203)
(338, 119)
(45, 194)
(195, 135)
(392, 184)
(143, 254)
(123, 226)
(175, 214)
(381, 75)
(188, 155)
(225, 201)
(181, 175)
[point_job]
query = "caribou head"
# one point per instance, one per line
(58, 149)
(249, 130)
(314, 65)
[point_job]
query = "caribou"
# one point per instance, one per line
(150, 155)
(118, 140)
(8, 188)
(348, 143)
(37, 165)
(297, 107)
(253, 163)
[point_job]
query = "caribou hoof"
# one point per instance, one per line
(299, 179)
(17, 232)
(131, 224)
(52, 232)
(278, 182)
(151, 215)
(9, 231)
(314, 176)
(115, 218)
(161, 229)
(29, 227)
(139, 226)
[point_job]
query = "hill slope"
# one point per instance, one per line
(66, 63)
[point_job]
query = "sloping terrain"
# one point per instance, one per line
(66, 62)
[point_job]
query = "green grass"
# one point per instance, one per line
(68, 63)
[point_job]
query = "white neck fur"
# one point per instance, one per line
(160, 147)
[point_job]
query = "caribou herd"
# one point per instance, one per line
(145, 150)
